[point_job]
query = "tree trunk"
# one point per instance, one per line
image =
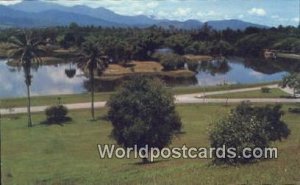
(92, 94)
(29, 106)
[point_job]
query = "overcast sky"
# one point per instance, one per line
(268, 12)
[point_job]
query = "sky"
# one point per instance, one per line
(267, 12)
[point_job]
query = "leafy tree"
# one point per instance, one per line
(57, 114)
(247, 127)
(143, 113)
(237, 132)
(292, 81)
(221, 48)
(178, 42)
(25, 48)
(271, 115)
(172, 61)
(92, 60)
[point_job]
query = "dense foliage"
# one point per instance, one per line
(123, 44)
(248, 127)
(56, 114)
(143, 113)
(292, 81)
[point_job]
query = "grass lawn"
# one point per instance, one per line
(115, 71)
(274, 93)
(103, 96)
(68, 154)
(52, 100)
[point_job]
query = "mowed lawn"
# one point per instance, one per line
(274, 93)
(68, 155)
(103, 96)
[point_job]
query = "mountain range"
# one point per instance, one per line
(43, 14)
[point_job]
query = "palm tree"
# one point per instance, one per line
(25, 50)
(92, 60)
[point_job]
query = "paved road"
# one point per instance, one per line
(198, 98)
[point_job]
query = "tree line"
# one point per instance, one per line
(124, 44)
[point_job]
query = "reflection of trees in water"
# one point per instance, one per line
(19, 68)
(219, 66)
(272, 66)
(104, 85)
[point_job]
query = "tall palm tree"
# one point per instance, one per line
(91, 60)
(25, 49)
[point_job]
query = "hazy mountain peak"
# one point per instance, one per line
(33, 12)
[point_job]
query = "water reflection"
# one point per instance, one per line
(239, 70)
(214, 67)
(49, 80)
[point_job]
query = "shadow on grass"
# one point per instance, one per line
(294, 110)
(141, 163)
(288, 97)
(61, 121)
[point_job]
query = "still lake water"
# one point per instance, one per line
(51, 80)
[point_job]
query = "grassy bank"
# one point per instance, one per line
(274, 93)
(103, 96)
(68, 154)
(196, 89)
(288, 56)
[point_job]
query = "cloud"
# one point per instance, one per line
(257, 11)
(152, 4)
(295, 19)
(182, 12)
(9, 2)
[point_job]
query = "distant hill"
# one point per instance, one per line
(41, 14)
(15, 18)
(233, 24)
(189, 24)
(100, 13)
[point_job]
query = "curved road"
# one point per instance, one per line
(196, 98)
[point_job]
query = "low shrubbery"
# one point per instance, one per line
(171, 61)
(192, 65)
(294, 110)
(57, 114)
(248, 127)
(265, 90)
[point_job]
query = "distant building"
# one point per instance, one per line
(164, 51)
(270, 54)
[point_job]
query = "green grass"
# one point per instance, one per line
(85, 97)
(68, 154)
(196, 89)
(274, 93)
(51, 100)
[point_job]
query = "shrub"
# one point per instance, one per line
(192, 65)
(265, 90)
(294, 110)
(168, 65)
(57, 114)
(275, 128)
(237, 132)
(172, 61)
(248, 127)
(143, 113)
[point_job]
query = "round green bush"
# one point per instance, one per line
(56, 114)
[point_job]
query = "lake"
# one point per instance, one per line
(51, 80)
